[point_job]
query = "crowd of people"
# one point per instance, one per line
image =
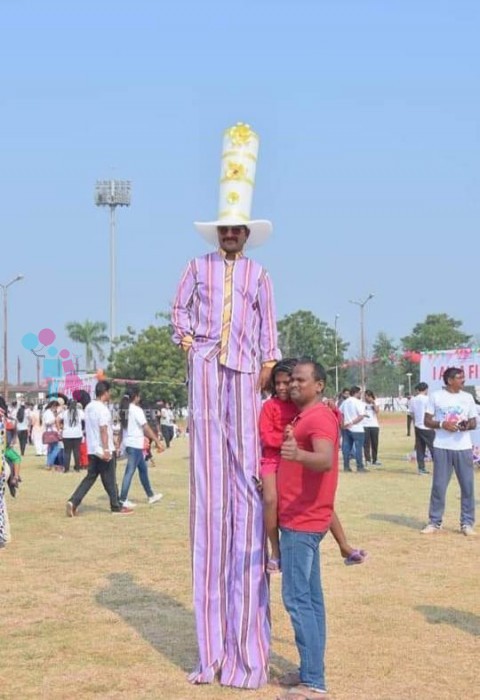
(62, 428)
(256, 469)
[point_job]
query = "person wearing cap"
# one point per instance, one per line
(224, 318)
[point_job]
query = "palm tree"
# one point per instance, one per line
(92, 335)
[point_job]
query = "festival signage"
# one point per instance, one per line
(434, 364)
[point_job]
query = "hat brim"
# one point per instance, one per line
(260, 230)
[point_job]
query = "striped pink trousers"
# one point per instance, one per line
(230, 588)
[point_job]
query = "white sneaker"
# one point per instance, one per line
(155, 498)
(431, 529)
(467, 530)
(128, 504)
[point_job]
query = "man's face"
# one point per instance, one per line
(232, 238)
(304, 388)
(456, 382)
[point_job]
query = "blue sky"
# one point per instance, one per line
(368, 113)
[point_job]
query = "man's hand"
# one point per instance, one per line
(186, 343)
(450, 425)
(289, 449)
(263, 382)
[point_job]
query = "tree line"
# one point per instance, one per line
(150, 356)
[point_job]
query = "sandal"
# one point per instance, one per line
(358, 556)
(303, 692)
(273, 566)
(289, 679)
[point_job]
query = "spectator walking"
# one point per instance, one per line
(135, 430)
(371, 428)
(51, 434)
(37, 431)
(22, 428)
(100, 447)
(72, 434)
(167, 420)
(424, 436)
(353, 437)
(408, 405)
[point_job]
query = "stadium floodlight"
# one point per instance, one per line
(113, 194)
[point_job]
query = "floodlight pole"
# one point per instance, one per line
(409, 378)
(337, 316)
(113, 194)
(362, 305)
(4, 288)
(113, 275)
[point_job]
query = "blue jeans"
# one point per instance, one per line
(353, 440)
(135, 459)
(52, 453)
(303, 599)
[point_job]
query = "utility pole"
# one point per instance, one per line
(362, 305)
(4, 288)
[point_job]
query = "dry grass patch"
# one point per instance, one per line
(100, 606)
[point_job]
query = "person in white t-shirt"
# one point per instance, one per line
(101, 453)
(72, 434)
(167, 421)
(452, 413)
(372, 429)
(424, 436)
(353, 435)
(135, 430)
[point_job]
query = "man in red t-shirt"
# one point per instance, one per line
(306, 482)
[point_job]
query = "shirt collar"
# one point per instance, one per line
(223, 255)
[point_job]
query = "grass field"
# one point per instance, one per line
(100, 606)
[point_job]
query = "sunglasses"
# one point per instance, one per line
(236, 230)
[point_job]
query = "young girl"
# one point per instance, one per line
(278, 412)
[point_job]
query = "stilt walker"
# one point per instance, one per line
(224, 318)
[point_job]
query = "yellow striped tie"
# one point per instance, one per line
(227, 312)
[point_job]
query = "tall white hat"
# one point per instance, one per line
(237, 179)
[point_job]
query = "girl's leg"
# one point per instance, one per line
(270, 501)
(367, 444)
(67, 453)
(374, 433)
(351, 555)
(143, 474)
(76, 453)
(133, 455)
(340, 537)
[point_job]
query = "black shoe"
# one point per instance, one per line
(363, 470)
(347, 469)
(423, 471)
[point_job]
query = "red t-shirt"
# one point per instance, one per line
(305, 496)
(274, 417)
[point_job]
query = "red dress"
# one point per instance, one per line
(274, 418)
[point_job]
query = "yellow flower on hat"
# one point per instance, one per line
(233, 197)
(240, 134)
(235, 171)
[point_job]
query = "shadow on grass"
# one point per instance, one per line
(163, 622)
(160, 619)
(403, 520)
(435, 615)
